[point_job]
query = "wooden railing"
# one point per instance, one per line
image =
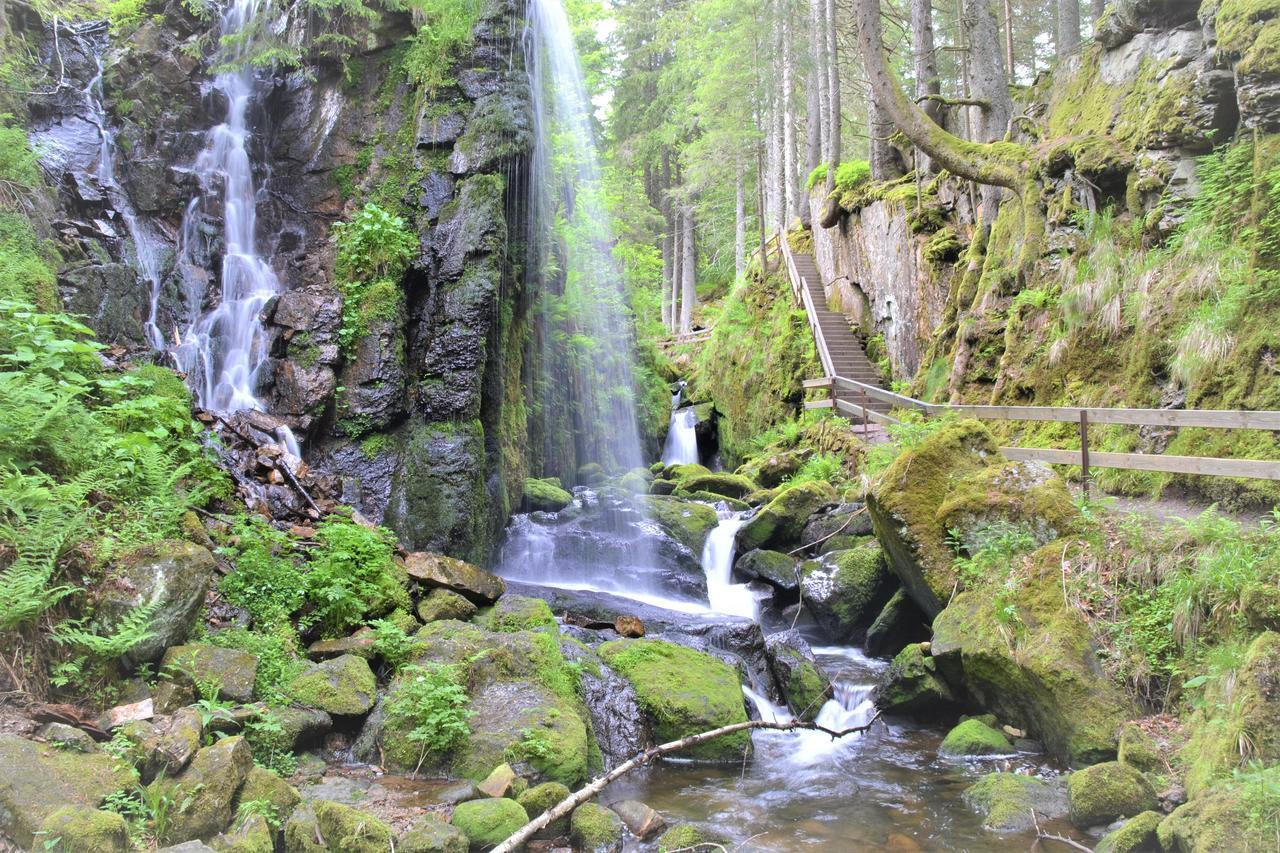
(850, 397)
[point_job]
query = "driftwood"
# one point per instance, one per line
(567, 805)
(283, 467)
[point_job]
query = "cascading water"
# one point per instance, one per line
(723, 594)
(681, 447)
(223, 349)
(582, 300)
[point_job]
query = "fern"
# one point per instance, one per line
(26, 585)
(132, 630)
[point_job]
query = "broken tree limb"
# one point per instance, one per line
(955, 102)
(568, 804)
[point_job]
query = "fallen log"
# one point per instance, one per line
(568, 804)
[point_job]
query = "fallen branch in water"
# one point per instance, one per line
(1041, 835)
(568, 804)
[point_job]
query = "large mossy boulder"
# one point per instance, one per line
(683, 692)
(432, 835)
(779, 523)
(516, 613)
(686, 522)
(539, 799)
(172, 577)
(322, 826)
(1031, 660)
(545, 495)
(721, 485)
(912, 685)
(1008, 801)
(899, 623)
(805, 687)
(77, 828)
(232, 671)
(445, 604)
(204, 795)
(957, 484)
(1249, 704)
(38, 779)
(489, 822)
(845, 590)
(975, 737)
(439, 571)
(343, 686)
(1102, 793)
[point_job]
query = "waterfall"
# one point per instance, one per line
(146, 245)
(582, 301)
(724, 595)
(223, 349)
(681, 447)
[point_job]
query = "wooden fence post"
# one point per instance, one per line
(1084, 452)
(863, 396)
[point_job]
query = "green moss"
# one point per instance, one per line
(343, 685)
(721, 485)
(1137, 834)
(74, 829)
(686, 836)
(1007, 801)
(342, 828)
(913, 685)
(1139, 749)
(489, 822)
(974, 737)
(517, 613)
(684, 521)
(539, 798)
(1102, 793)
(684, 692)
(943, 247)
(545, 495)
(594, 828)
(782, 520)
(1249, 30)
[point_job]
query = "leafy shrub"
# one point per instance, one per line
(392, 644)
(278, 657)
(432, 704)
(374, 250)
(350, 576)
(267, 581)
(821, 467)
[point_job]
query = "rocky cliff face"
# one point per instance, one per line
(421, 416)
(1121, 293)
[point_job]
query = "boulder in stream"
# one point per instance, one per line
(437, 570)
(781, 521)
(683, 692)
(1136, 835)
(430, 834)
(343, 686)
(1007, 801)
(539, 798)
(445, 604)
(489, 822)
(975, 737)
(641, 821)
(912, 685)
(322, 826)
(1102, 793)
(845, 590)
(545, 495)
(772, 567)
(595, 829)
(686, 522)
(898, 624)
(804, 686)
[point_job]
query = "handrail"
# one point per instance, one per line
(800, 289)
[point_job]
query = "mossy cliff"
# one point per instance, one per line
(1137, 269)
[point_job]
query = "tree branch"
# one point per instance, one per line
(568, 804)
(955, 102)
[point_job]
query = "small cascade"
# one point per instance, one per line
(681, 447)
(223, 349)
(723, 594)
(147, 246)
(769, 712)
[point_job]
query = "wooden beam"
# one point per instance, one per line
(819, 404)
(858, 412)
(877, 393)
(1211, 418)
(1256, 469)
(824, 382)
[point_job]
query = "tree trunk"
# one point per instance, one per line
(740, 227)
(668, 241)
(818, 78)
(886, 162)
(677, 264)
(789, 116)
(989, 82)
(761, 210)
(1008, 40)
(1068, 28)
(688, 289)
(924, 59)
(833, 96)
(1003, 167)
(1097, 8)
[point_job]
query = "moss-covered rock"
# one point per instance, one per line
(721, 485)
(974, 737)
(684, 521)
(38, 779)
(1139, 749)
(685, 470)
(956, 483)
(249, 834)
(344, 686)
(804, 687)
(1102, 793)
(545, 495)
(1138, 835)
(898, 624)
(772, 567)
(1218, 819)
(432, 835)
(79, 828)
(322, 826)
(517, 613)
(683, 692)
(912, 685)
(539, 798)
(1247, 709)
(845, 590)
(781, 521)
(595, 829)
(170, 576)
(445, 604)
(439, 571)
(686, 836)
(771, 469)
(205, 793)
(1006, 801)
(231, 670)
(262, 785)
(1031, 659)
(489, 822)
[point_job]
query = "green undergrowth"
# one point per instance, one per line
(756, 386)
(374, 250)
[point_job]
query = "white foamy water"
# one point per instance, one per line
(725, 596)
